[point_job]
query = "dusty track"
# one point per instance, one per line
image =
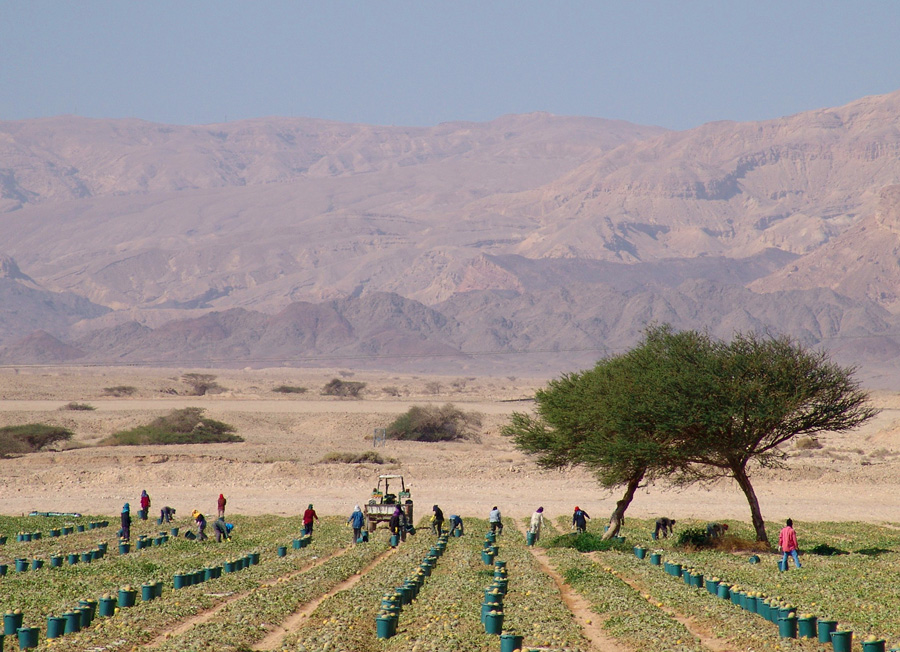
(273, 640)
(209, 614)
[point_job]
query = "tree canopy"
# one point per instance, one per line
(685, 407)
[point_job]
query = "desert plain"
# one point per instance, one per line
(278, 469)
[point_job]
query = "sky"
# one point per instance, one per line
(676, 64)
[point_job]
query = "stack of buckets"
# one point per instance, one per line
(392, 603)
(490, 549)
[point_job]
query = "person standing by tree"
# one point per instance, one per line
(356, 521)
(145, 505)
(308, 517)
(125, 532)
(495, 521)
(787, 541)
(537, 522)
(221, 505)
(579, 520)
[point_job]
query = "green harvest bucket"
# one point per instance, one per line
(787, 627)
(842, 641)
(529, 538)
(493, 623)
(73, 621)
(395, 540)
(11, 622)
(56, 626)
(148, 592)
(639, 552)
(90, 604)
(80, 527)
(806, 627)
(722, 591)
(86, 616)
(385, 626)
(754, 559)
(124, 548)
(106, 607)
(127, 598)
(296, 544)
(36, 564)
(656, 559)
(282, 551)
(21, 565)
(86, 557)
(824, 628)
(174, 531)
(28, 637)
(873, 646)
(510, 642)
(750, 604)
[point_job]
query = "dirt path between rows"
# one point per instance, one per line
(706, 638)
(273, 640)
(587, 619)
(209, 614)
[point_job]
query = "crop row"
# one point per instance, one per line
(39, 599)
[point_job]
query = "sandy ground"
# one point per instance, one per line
(278, 469)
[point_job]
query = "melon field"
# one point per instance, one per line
(268, 590)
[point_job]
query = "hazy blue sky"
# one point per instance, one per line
(674, 63)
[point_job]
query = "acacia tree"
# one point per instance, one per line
(754, 395)
(687, 408)
(613, 419)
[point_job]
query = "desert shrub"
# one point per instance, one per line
(346, 388)
(77, 406)
(202, 384)
(432, 423)
(390, 390)
(433, 387)
(365, 457)
(807, 443)
(185, 426)
(30, 438)
(345, 373)
(289, 389)
(120, 390)
(584, 542)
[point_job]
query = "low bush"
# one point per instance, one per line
(345, 388)
(185, 426)
(431, 423)
(585, 542)
(693, 537)
(289, 389)
(366, 457)
(120, 390)
(77, 406)
(30, 438)
(202, 384)
(807, 443)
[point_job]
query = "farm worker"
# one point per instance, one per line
(495, 520)
(397, 524)
(308, 516)
(145, 504)
(220, 527)
(716, 530)
(200, 520)
(437, 524)
(787, 541)
(221, 505)
(125, 532)
(580, 519)
(664, 526)
(356, 521)
(166, 514)
(537, 522)
(456, 524)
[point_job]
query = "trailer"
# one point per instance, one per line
(385, 499)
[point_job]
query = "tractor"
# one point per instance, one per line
(380, 506)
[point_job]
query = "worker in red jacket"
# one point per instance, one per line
(787, 541)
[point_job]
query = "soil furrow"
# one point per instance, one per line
(210, 613)
(706, 638)
(580, 608)
(273, 640)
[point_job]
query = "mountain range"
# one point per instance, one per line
(531, 243)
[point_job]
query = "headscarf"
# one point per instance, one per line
(143, 493)
(357, 509)
(577, 508)
(540, 509)
(310, 506)
(397, 510)
(126, 508)
(195, 514)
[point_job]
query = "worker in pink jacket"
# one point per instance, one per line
(787, 541)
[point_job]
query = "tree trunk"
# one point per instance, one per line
(618, 515)
(739, 472)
